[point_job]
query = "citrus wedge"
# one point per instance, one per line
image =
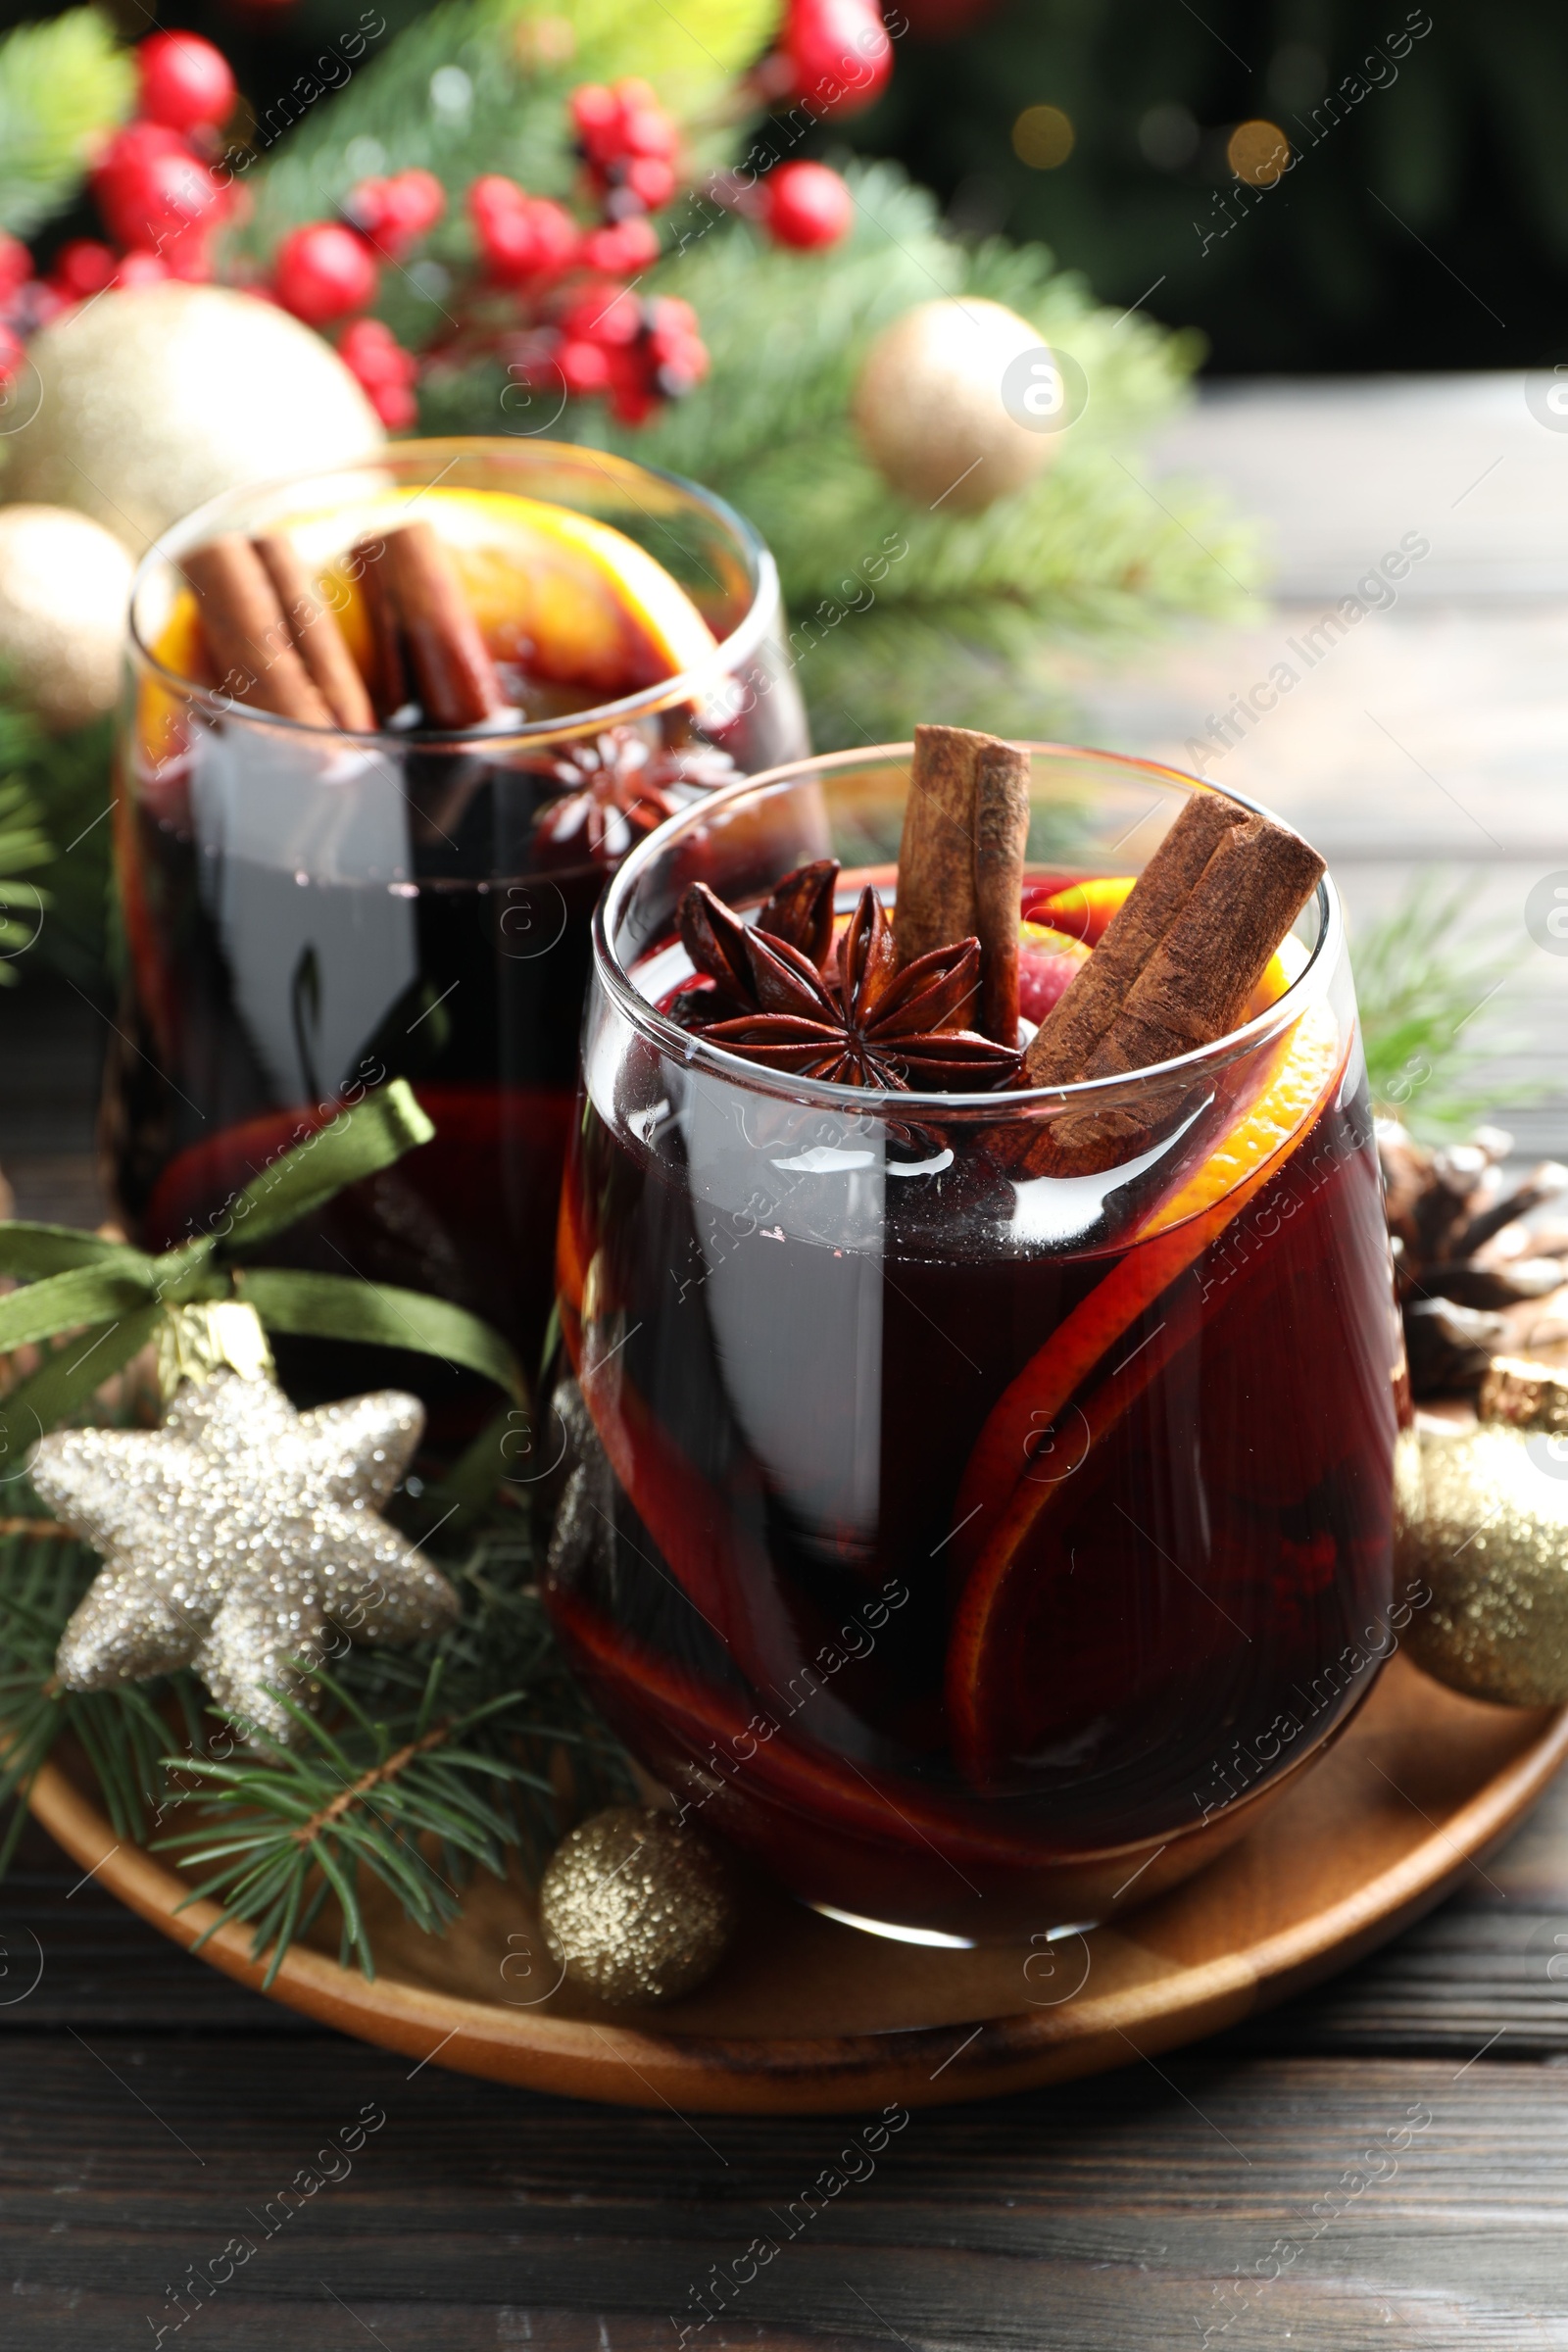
(1005, 1503)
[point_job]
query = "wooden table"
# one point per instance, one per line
(150, 2111)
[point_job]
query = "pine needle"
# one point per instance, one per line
(1424, 976)
(424, 1765)
(63, 85)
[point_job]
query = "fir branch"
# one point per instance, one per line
(521, 68)
(22, 845)
(62, 84)
(123, 1734)
(909, 612)
(428, 1764)
(1423, 976)
(54, 802)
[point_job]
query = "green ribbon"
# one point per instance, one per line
(110, 1298)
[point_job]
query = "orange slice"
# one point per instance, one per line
(569, 597)
(1084, 908)
(1083, 912)
(1007, 1503)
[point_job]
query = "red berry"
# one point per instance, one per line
(322, 272)
(185, 82)
(838, 53)
(394, 403)
(649, 179)
(608, 315)
(83, 268)
(371, 352)
(141, 270)
(625, 246)
(396, 213)
(596, 112)
(16, 265)
(12, 354)
(645, 128)
(557, 236)
(585, 367)
(388, 372)
(149, 186)
(807, 206)
(520, 236)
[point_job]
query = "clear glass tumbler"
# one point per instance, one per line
(980, 1549)
(307, 910)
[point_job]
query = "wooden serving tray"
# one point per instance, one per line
(807, 2016)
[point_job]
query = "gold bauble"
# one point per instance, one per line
(929, 405)
(636, 1908)
(65, 583)
(1482, 1519)
(151, 401)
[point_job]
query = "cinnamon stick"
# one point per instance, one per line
(247, 632)
(452, 666)
(1061, 1045)
(1192, 990)
(318, 639)
(389, 673)
(1195, 984)
(960, 860)
(936, 899)
(1000, 838)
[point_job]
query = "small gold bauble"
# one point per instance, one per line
(1485, 1523)
(65, 583)
(151, 401)
(635, 1907)
(930, 410)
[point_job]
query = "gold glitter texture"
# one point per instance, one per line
(235, 1537)
(1486, 1524)
(635, 1907)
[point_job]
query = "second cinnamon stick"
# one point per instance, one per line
(318, 638)
(452, 666)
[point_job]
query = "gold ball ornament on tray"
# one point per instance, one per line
(146, 403)
(64, 584)
(1481, 1516)
(242, 1539)
(960, 402)
(635, 1907)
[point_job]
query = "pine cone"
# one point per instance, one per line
(1464, 1264)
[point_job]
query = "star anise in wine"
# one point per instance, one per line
(800, 912)
(614, 788)
(865, 1023)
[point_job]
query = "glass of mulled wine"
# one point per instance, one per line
(978, 1532)
(386, 734)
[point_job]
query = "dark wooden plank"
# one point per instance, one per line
(1119, 2213)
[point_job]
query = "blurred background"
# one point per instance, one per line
(1422, 223)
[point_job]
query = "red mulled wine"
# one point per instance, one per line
(311, 908)
(959, 1541)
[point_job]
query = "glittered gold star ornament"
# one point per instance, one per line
(237, 1537)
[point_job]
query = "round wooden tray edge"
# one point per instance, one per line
(625, 2065)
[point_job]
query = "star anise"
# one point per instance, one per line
(614, 788)
(800, 912)
(865, 1023)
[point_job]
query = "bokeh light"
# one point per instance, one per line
(1257, 153)
(1043, 137)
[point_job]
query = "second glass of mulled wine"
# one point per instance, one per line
(980, 1477)
(387, 732)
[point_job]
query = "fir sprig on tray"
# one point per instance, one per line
(425, 1766)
